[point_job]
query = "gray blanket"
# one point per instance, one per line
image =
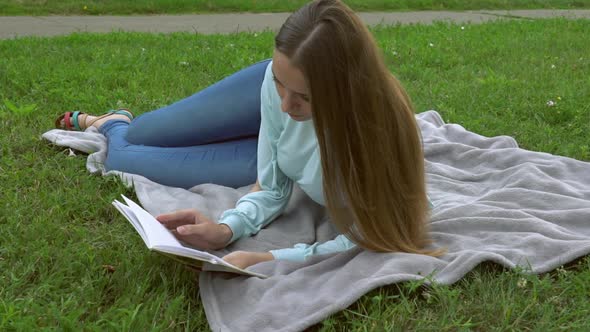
(492, 202)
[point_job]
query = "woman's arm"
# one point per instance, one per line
(299, 253)
(267, 198)
(259, 207)
(303, 251)
(255, 187)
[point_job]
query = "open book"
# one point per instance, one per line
(159, 238)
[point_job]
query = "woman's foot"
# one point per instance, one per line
(81, 121)
(97, 121)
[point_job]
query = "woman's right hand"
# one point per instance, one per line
(195, 229)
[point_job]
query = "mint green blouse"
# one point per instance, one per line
(288, 153)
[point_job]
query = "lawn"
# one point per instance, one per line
(59, 234)
(117, 7)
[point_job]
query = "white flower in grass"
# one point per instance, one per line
(562, 271)
(462, 28)
(551, 103)
(255, 35)
(552, 66)
(143, 49)
(394, 53)
(431, 44)
(521, 283)
(183, 63)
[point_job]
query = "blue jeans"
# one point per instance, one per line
(209, 137)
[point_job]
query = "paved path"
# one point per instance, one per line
(15, 26)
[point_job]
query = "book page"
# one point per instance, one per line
(162, 239)
(130, 216)
(157, 237)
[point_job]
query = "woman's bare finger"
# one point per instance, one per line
(178, 218)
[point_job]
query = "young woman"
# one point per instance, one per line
(325, 113)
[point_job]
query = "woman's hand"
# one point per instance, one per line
(195, 229)
(243, 259)
(256, 187)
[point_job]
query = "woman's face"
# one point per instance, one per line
(292, 88)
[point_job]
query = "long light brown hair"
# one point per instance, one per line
(370, 145)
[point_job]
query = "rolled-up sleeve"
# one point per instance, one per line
(300, 252)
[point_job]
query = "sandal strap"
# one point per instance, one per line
(75, 120)
(123, 111)
(120, 111)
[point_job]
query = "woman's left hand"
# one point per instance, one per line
(243, 259)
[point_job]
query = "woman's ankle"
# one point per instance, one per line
(99, 121)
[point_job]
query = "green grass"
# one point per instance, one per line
(116, 7)
(57, 228)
